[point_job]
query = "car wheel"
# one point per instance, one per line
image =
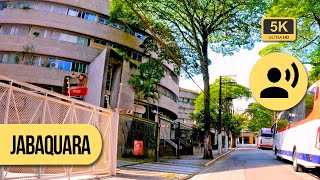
(296, 166)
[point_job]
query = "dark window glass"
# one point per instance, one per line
(60, 64)
(139, 58)
(101, 20)
(89, 16)
(67, 65)
(266, 135)
(73, 66)
(135, 56)
(103, 42)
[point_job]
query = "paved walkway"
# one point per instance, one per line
(166, 169)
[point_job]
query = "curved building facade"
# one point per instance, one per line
(41, 42)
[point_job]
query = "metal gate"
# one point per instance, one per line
(22, 103)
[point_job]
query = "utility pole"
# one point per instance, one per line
(158, 120)
(179, 134)
(220, 122)
(220, 118)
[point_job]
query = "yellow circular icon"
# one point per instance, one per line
(278, 81)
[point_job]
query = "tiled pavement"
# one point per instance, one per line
(169, 169)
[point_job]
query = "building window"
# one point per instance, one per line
(51, 62)
(103, 21)
(134, 55)
(72, 12)
(90, 17)
(118, 26)
(3, 5)
(166, 92)
(44, 7)
(141, 36)
(68, 38)
(82, 14)
(59, 9)
(67, 65)
(100, 42)
(79, 67)
(139, 58)
(83, 41)
(5, 30)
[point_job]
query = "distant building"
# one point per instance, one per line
(247, 137)
(186, 106)
(43, 41)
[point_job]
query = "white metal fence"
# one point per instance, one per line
(22, 103)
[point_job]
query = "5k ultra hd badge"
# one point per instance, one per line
(278, 29)
(278, 81)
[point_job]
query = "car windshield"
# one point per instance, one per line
(266, 135)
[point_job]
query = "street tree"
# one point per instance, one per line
(229, 90)
(260, 117)
(185, 29)
(306, 47)
(237, 123)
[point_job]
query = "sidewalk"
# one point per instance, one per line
(167, 168)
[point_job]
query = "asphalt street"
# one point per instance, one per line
(250, 163)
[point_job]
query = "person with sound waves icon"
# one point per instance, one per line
(274, 75)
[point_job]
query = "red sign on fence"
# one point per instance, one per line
(138, 148)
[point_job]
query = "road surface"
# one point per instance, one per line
(250, 163)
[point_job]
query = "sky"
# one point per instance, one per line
(240, 64)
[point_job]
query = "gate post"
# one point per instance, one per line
(1, 173)
(113, 138)
(39, 172)
(6, 113)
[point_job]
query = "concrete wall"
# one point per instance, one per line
(48, 47)
(170, 84)
(101, 6)
(126, 94)
(169, 104)
(115, 87)
(69, 23)
(188, 94)
(96, 80)
(34, 74)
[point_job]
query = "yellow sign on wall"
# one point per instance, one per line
(278, 29)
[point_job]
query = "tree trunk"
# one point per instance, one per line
(233, 141)
(205, 75)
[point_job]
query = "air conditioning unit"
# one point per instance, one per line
(54, 65)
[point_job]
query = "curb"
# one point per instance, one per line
(208, 164)
(218, 158)
(130, 164)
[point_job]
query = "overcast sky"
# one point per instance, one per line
(240, 64)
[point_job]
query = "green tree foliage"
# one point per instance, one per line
(282, 123)
(306, 48)
(144, 84)
(261, 117)
(239, 122)
(228, 90)
(186, 28)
